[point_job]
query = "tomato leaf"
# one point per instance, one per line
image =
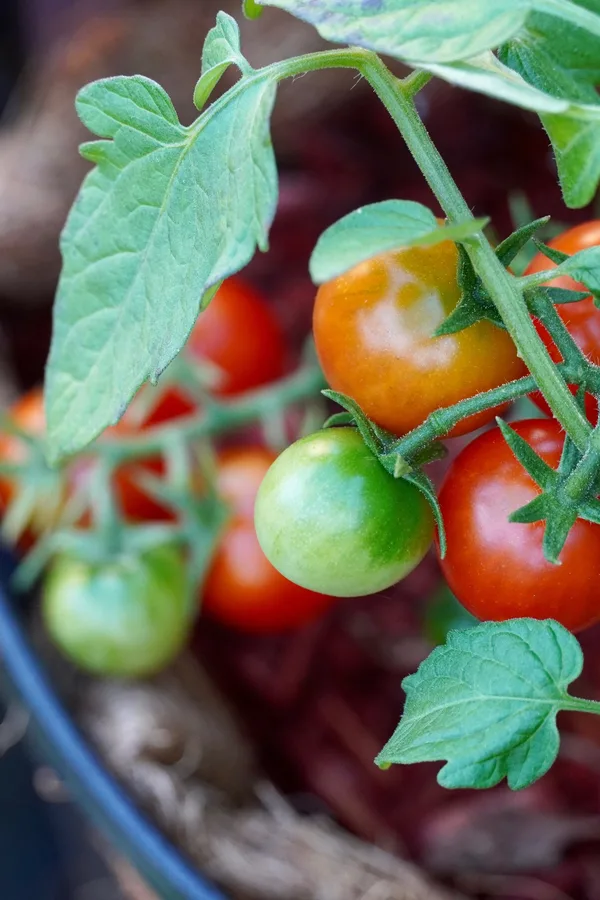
(167, 213)
(221, 50)
(584, 267)
(487, 702)
(561, 58)
(373, 229)
(442, 30)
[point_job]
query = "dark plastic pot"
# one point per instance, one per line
(57, 741)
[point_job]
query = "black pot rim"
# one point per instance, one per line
(163, 866)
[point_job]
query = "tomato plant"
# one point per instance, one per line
(423, 331)
(125, 617)
(374, 330)
(497, 568)
(330, 518)
(242, 588)
(582, 319)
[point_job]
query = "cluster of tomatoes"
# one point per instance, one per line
(332, 519)
(324, 519)
(130, 615)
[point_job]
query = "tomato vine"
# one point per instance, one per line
(169, 212)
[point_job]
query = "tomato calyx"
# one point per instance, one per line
(568, 492)
(476, 304)
(381, 443)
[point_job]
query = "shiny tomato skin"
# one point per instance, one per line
(242, 589)
(128, 617)
(496, 568)
(373, 329)
(331, 519)
(240, 471)
(582, 318)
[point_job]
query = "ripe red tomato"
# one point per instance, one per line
(373, 331)
(582, 318)
(242, 588)
(497, 568)
(240, 335)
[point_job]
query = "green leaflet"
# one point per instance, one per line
(221, 50)
(378, 227)
(487, 702)
(564, 61)
(167, 213)
(413, 30)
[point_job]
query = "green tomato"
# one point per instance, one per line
(331, 519)
(128, 617)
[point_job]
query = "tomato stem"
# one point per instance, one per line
(218, 417)
(444, 420)
(577, 704)
(503, 288)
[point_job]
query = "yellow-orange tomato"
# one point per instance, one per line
(374, 328)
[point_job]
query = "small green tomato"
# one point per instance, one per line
(331, 519)
(127, 618)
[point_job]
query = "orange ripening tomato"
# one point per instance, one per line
(373, 329)
(242, 588)
(497, 568)
(239, 334)
(582, 319)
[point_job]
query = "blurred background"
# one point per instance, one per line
(316, 705)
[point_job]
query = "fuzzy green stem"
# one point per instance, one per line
(501, 285)
(440, 422)
(577, 704)
(227, 415)
(546, 312)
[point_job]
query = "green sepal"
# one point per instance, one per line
(556, 256)
(511, 246)
(474, 304)
(369, 431)
(425, 485)
(559, 522)
(556, 296)
(341, 418)
(543, 474)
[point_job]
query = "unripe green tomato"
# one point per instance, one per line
(331, 519)
(125, 618)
